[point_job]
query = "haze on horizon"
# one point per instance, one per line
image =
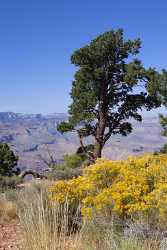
(38, 38)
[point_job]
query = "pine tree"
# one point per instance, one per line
(8, 161)
(106, 90)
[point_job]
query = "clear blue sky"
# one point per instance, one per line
(37, 38)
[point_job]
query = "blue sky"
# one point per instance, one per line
(37, 38)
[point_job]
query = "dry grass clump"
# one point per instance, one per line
(96, 235)
(44, 226)
(8, 210)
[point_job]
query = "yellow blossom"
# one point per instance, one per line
(126, 187)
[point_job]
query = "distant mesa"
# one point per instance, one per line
(28, 131)
(49, 142)
(6, 138)
(31, 135)
(136, 150)
(31, 149)
(8, 116)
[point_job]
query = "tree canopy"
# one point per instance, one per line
(8, 161)
(107, 91)
(159, 89)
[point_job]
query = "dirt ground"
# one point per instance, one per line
(10, 236)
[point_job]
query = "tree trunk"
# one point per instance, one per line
(101, 125)
(98, 150)
(100, 136)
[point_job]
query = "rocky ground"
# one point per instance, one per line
(10, 236)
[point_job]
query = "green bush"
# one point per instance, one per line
(70, 168)
(7, 182)
(64, 174)
(8, 161)
(163, 150)
(73, 160)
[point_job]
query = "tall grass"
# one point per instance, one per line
(96, 236)
(8, 210)
(49, 227)
(44, 226)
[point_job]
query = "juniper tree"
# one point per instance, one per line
(8, 161)
(158, 88)
(106, 89)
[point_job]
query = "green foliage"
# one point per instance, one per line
(70, 168)
(73, 161)
(61, 173)
(8, 161)
(105, 91)
(7, 183)
(65, 127)
(158, 88)
(163, 122)
(163, 150)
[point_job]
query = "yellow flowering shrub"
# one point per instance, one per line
(124, 187)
